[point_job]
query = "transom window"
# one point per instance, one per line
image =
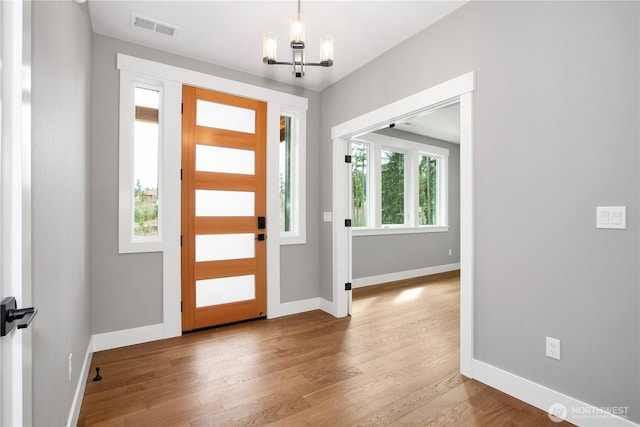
(397, 185)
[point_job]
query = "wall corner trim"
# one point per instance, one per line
(328, 307)
(578, 412)
(76, 405)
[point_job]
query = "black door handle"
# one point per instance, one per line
(9, 314)
(262, 223)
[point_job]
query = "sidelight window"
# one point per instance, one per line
(142, 129)
(145, 169)
(291, 177)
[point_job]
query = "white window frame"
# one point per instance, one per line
(412, 151)
(298, 233)
(443, 185)
(370, 181)
(379, 148)
(127, 241)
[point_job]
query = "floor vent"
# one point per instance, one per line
(153, 26)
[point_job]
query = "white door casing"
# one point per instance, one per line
(461, 89)
(15, 217)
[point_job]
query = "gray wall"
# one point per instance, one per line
(393, 253)
(127, 289)
(61, 93)
(556, 134)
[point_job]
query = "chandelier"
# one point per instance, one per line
(270, 47)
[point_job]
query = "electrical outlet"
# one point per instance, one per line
(553, 348)
(70, 365)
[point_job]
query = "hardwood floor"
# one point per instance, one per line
(394, 362)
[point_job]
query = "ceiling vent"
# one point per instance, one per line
(153, 26)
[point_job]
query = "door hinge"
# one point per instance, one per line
(182, 108)
(181, 240)
(347, 286)
(180, 306)
(347, 158)
(180, 174)
(347, 222)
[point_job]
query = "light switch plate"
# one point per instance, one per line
(326, 216)
(611, 217)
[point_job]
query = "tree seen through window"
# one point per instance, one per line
(392, 187)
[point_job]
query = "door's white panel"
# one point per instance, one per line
(225, 160)
(225, 290)
(225, 203)
(218, 247)
(228, 117)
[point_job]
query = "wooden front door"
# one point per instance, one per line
(223, 208)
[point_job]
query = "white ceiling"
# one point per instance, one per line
(443, 124)
(229, 33)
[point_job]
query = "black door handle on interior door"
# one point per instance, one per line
(9, 314)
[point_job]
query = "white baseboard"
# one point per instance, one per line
(109, 340)
(403, 275)
(577, 412)
(295, 307)
(76, 405)
(126, 337)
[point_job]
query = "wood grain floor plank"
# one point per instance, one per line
(395, 361)
(438, 409)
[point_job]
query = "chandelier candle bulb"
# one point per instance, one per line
(269, 47)
(297, 28)
(326, 49)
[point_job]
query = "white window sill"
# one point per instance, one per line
(399, 230)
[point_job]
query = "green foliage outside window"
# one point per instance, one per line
(145, 211)
(359, 184)
(393, 200)
(428, 187)
(285, 174)
(392, 187)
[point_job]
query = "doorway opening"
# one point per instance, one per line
(405, 199)
(458, 90)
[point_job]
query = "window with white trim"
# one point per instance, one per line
(143, 199)
(398, 186)
(140, 174)
(145, 167)
(292, 177)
